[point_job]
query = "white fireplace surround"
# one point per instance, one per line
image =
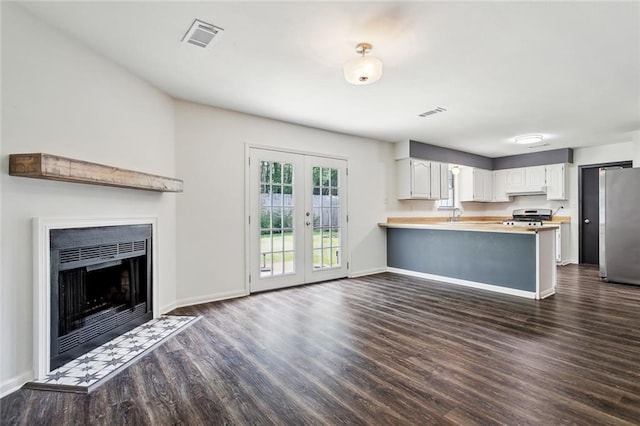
(42, 274)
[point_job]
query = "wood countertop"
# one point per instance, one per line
(476, 226)
(469, 219)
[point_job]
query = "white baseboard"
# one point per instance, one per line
(210, 298)
(15, 383)
(168, 308)
(547, 293)
(473, 284)
(367, 272)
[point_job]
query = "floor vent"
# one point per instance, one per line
(433, 111)
(202, 34)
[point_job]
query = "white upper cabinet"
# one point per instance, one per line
(486, 177)
(500, 186)
(439, 180)
(557, 182)
(444, 181)
(475, 184)
(526, 180)
(467, 190)
(535, 177)
(421, 179)
(515, 178)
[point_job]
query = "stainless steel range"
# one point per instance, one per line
(529, 217)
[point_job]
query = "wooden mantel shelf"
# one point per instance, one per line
(54, 167)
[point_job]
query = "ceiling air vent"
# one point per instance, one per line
(433, 111)
(539, 145)
(202, 34)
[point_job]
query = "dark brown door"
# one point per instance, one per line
(589, 181)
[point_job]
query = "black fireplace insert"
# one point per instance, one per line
(100, 286)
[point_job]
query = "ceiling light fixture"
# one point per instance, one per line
(528, 139)
(365, 69)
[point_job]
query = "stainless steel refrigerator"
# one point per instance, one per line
(620, 225)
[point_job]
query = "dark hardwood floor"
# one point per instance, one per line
(383, 349)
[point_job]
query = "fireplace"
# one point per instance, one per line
(100, 286)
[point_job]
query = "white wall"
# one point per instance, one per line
(636, 144)
(211, 157)
(60, 98)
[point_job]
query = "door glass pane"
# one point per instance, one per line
(326, 218)
(277, 251)
(287, 219)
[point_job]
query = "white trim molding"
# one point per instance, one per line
(473, 284)
(14, 383)
(364, 273)
(42, 273)
(216, 297)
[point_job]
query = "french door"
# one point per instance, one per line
(297, 219)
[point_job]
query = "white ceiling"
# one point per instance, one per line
(567, 70)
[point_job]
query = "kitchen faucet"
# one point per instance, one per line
(455, 217)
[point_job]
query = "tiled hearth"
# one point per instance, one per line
(92, 369)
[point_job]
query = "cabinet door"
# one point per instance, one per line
(556, 182)
(515, 179)
(439, 181)
(562, 244)
(559, 245)
(500, 186)
(465, 184)
(434, 181)
(478, 185)
(444, 181)
(475, 184)
(535, 176)
(420, 179)
(487, 185)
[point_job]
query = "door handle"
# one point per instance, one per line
(307, 223)
(587, 221)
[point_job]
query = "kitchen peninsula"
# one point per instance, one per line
(483, 254)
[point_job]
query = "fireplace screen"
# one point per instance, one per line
(100, 286)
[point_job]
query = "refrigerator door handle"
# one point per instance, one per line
(602, 220)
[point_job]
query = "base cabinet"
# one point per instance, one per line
(563, 248)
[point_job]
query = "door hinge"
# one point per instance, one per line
(249, 278)
(347, 218)
(249, 159)
(347, 265)
(347, 171)
(249, 220)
